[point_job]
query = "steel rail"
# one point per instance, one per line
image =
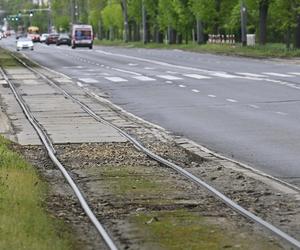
(239, 209)
(45, 140)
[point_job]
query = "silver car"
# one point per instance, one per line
(24, 43)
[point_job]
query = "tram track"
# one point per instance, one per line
(140, 147)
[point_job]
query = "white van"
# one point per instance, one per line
(82, 36)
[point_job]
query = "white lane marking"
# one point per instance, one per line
(132, 64)
(224, 75)
(231, 100)
(149, 68)
(169, 77)
(294, 73)
(212, 96)
(73, 67)
(181, 86)
(250, 74)
(276, 74)
(144, 78)
(197, 76)
(127, 71)
(195, 90)
(253, 106)
(116, 79)
(281, 113)
(169, 82)
(80, 84)
(88, 80)
(171, 72)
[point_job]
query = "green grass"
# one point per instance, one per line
(269, 50)
(24, 223)
(180, 229)
(6, 60)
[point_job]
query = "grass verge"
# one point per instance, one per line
(267, 51)
(24, 223)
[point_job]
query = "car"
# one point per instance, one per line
(52, 38)
(24, 43)
(63, 39)
(44, 37)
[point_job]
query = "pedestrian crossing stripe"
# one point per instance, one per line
(144, 78)
(116, 79)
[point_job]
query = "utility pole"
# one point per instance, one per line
(144, 15)
(125, 15)
(244, 23)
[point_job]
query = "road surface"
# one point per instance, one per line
(245, 109)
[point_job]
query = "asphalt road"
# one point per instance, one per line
(245, 109)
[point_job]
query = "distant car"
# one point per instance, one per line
(34, 37)
(63, 39)
(52, 38)
(44, 37)
(24, 43)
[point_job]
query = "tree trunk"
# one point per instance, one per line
(297, 38)
(125, 15)
(288, 38)
(144, 18)
(263, 15)
(200, 37)
(217, 19)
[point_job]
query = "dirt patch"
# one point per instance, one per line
(143, 205)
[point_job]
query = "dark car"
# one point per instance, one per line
(52, 38)
(63, 39)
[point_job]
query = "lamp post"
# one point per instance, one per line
(244, 23)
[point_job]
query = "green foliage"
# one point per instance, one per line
(217, 16)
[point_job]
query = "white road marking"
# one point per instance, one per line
(132, 64)
(116, 79)
(149, 68)
(212, 96)
(127, 71)
(276, 74)
(73, 67)
(195, 90)
(169, 77)
(169, 82)
(171, 72)
(181, 86)
(281, 113)
(294, 73)
(88, 80)
(224, 75)
(250, 74)
(197, 76)
(231, 100)
(253, 106)
(80, 84)
(144, 78)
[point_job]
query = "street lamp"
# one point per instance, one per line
(244, 23)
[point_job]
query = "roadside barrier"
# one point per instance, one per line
(221, 39)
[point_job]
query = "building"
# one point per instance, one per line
(41, 2)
